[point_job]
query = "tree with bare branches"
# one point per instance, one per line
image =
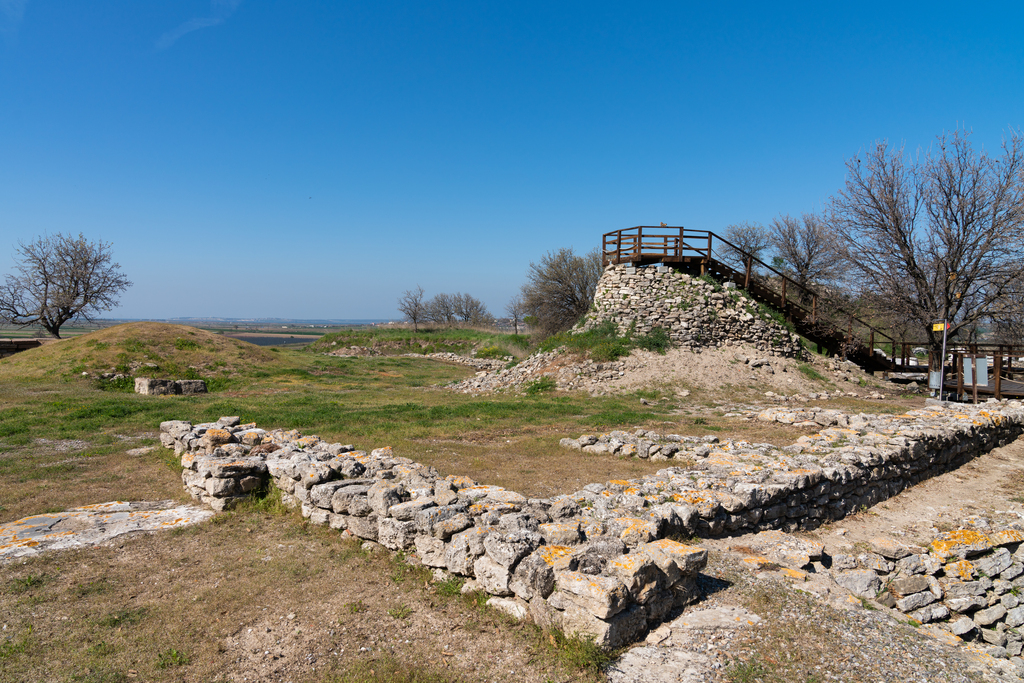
(470, 310)
(60, 278)
(805, 249)
(937, 237)
(560, 288)
(516, 309)
(413, 307)
(746, 238)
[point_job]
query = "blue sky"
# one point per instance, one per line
(315, 159)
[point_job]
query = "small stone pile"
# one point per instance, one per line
(563, 368)
(487, 364)
(968, 581)
(695, 313)
(550, 559)
(737, 486)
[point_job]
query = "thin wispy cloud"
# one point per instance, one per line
(220, 11)
(11, 14)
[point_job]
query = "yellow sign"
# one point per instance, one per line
(938, 327)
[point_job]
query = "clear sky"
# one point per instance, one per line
(315, 159)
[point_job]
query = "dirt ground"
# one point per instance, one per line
(724, 367)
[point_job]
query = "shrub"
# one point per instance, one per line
(656, 340)
(540, 385)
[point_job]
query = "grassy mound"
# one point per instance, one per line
(393, 342)
(145, 349)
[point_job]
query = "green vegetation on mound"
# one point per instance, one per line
(145, 349)
(603, 342)
(395, 342)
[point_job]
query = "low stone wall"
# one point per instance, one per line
(547, 559)
(696, 314)
(599, 561)
(737, 487)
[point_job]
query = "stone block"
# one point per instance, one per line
(862, 582)
(491, 576)
(508, 549)
(602, 596)
(639, 574)
(533, 576)
(987, 617)
(561, 533)
(431, 551)
(395, 534)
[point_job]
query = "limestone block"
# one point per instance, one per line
(533, 576)
(431, 551)
(639, 574)
(602, 596)
(561, 533)
(513, 608)
(321, 495)
(594, 556)
(612, 633)
(987, 617)
(383, 494)
(463, 550)
(406, 512)
(961, 544)
(344, 496)
(188, 387)
(911, 584)
(1015, 617)
(862, 582)
(674, 558)
(313, 473)
(221, 487)
(992, 565)
(395, 534)
(492, 576)
(915, 601)
(962, 626)
(507, 549)
(363, 527)
(632, 530)
(427, 518)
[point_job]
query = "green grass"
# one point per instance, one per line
(810, 373)
(603, 342)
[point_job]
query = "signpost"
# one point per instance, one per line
(943, 326)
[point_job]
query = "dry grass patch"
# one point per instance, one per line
(255, 595)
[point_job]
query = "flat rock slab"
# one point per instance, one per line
(716, 617)
(659, 665)
(91, 525)
(666, 661)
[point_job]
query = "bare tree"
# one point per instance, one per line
(805, 249)
(60, 278)
(413, 307)
(469, 309)
(939, 237)
(441, 309)
(748, 238)
(515, 309)
(560, 289)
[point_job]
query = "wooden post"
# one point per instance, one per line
(814, 308)
(750, 263)
(783, 294)
(958, 364)
(998, 362)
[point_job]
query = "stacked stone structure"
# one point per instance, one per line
(695, 313)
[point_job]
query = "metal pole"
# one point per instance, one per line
(942, 362)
